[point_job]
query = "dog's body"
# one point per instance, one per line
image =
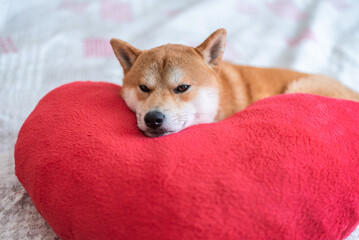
(172, 87)
(244, 85)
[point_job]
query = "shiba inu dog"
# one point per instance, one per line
(172, 87)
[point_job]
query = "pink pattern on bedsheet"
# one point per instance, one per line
(305, 35)
(77, 7)
(116, 11)
(286, 9)
(7, 45)
(173, 12)
(97, 47)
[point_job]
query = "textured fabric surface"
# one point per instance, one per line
(284, 168)
(44, 44)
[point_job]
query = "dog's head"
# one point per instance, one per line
(171, 87)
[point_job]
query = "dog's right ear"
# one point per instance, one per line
(125, 53)
(212, 48)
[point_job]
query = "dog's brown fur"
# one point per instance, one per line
(236, 86)
(244, 85)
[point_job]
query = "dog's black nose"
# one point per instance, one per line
(154, 119)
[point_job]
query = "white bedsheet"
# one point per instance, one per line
(44, 44)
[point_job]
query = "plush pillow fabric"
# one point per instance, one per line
(285, 168)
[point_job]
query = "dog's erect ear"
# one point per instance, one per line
(212, 48)
(125, 53)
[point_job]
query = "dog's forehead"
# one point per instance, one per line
(171, 76)
(167, 63)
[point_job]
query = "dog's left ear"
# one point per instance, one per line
(125, 53)
(212, 48)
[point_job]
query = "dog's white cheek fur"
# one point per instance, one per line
(202, 109)
(206, 105)
(130, 97)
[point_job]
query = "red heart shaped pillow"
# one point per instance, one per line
(285, 168)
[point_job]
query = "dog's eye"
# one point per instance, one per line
(182, 88)
(144, 88)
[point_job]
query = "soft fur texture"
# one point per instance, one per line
(213, 90)
(284, 168)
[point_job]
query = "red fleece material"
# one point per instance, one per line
(284, 168)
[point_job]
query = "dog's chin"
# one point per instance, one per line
(157, 133)
(162, 131)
